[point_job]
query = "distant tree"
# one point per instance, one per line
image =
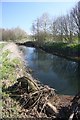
(45, 25)
(36, 29)
(40, 28)
(53, 30)
(71, 27)
(0, 34)
(19, 33)
(67, 25)
(33, 31)
(76, 16)
(13, 34)
(61, 29)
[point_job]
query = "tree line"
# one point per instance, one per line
(12, 34)
(63, 28)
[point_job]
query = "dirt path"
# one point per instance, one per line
(13, 49)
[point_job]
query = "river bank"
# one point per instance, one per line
(68, 51)
(15, 90)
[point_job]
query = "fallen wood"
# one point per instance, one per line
(29, 84)
(36, 100)
(51, 109)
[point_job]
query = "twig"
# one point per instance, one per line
(32, 82)
(37, 101)
(44, 104)
(71, 116)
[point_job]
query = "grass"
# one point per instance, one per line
(2, 45)
(56, 45)
(71, 51)
(8, 67)
(8, 76)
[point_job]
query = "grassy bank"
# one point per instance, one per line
(11, 68)
(69, 51)
(66, 50)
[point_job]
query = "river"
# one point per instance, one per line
(57, 72)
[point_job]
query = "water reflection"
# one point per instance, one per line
(57, 72)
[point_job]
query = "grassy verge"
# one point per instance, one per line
(8, 67)
(10, 70)
(70, 51)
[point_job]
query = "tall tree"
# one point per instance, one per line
(45, 25)
(33, 31)
(76, 16)
(63, 28)
(40, 28)
(0, 34)
(53, 29)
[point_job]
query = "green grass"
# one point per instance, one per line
(10, 70)
(2, 45)
(62, 46)
(74, 46)
(64, 49)
(8, 67)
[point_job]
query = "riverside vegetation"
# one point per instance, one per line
(69, 51)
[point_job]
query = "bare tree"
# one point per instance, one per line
(40, 28)
(36, 29)
(53, 30)
(19, 33)
(45, 24)
(13, 34)
(63, 28)
(68, 28)
(33, 31)
(76, 16)
(0, 34)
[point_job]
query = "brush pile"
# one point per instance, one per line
(35, 100)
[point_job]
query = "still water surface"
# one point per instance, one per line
(57, 72)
